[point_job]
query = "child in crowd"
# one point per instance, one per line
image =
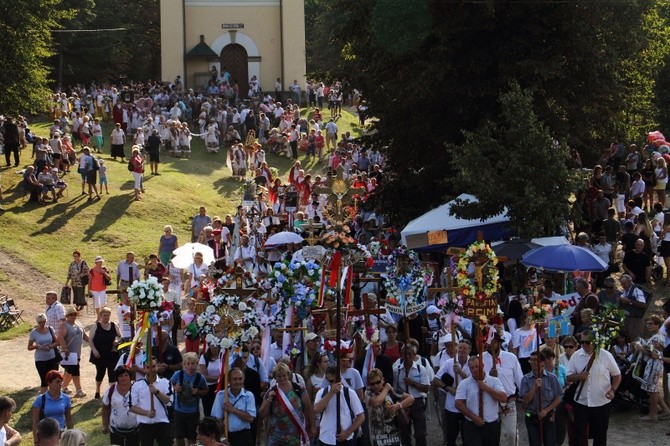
(102, 174)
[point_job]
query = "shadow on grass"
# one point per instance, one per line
(112, 209)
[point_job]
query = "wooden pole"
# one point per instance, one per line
(149, 354)
(480, 349)
(338, 336)
(226, 366)
(539, 394)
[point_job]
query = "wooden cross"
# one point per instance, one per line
(339, 192)
(330, 311)
(238, 288)
(312, 240)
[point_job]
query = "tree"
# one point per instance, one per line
(25, 33)
(513, 163)
(431, 70)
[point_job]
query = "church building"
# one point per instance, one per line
(262, 38)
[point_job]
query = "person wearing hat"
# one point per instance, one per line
(98, 278)
(431, 326)
(71, 337)
(506, 367)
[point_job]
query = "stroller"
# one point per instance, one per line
(630, 393)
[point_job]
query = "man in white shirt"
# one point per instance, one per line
(410, 376)
(153, 424)
(599, 378)
(505, 366)
(331, 134)
(351, 411)
(245, 254)
(447, 378)
(484, 430)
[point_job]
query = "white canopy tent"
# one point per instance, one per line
(437, 229)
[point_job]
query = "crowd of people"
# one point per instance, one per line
(384, 384)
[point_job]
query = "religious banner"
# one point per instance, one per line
(405, 281)
(473, 307)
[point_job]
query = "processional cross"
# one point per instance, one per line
(340, 193)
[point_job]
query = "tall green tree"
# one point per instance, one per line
(512, 162)
(25, 33)
(431, 70)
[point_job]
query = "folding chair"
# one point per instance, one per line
(14, 311)
(6, 319)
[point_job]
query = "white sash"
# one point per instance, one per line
(293, 413)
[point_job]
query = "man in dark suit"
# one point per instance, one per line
(377, 361)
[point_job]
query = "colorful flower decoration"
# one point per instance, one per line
(475, 251)
(230, 309)
(538, 313)
(294, 283)
(607, 325)
(146, 294)
(406, 278)
(370, 335)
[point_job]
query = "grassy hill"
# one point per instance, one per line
(45, 235)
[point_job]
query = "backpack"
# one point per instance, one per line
(196, 381)
(96, 164)
(110, 392)
(130, 165)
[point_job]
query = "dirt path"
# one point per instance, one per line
(28, 287)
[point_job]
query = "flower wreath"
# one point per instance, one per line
(244, 316)
(465, 283)
(146, 294)
(409, 286)
(295, 284)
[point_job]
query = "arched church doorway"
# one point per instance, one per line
(234, 59)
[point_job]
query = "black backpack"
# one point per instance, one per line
(130, 165)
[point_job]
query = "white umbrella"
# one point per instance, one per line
(283, 238)
(184, 255)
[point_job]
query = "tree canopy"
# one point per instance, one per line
(433, 73)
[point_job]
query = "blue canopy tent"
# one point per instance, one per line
(436, 230)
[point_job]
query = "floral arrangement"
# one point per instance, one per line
(228, 277)
(405, 285)
(478, 249)
(165, 311)
(370, 335)
(246, 323)
(560, 307)
(294, 283)
(338, 237)
(450, 304)
(538, 313)
(375, 248)
(146, 294)
(606, 326)
(293, 352)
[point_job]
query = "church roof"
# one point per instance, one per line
(202, 50)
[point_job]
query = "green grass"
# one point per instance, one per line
(15, 331)
(86, 416)
(45, 235)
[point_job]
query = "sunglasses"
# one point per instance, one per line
(375, 383)
(569, 346)
(585, 342)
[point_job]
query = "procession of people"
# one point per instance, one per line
(260, 333)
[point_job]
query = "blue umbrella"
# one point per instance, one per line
(564, 258)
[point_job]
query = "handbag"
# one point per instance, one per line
(65, 295)
(569, 394)
(53, 338)
(401, 416)
(84, 278)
